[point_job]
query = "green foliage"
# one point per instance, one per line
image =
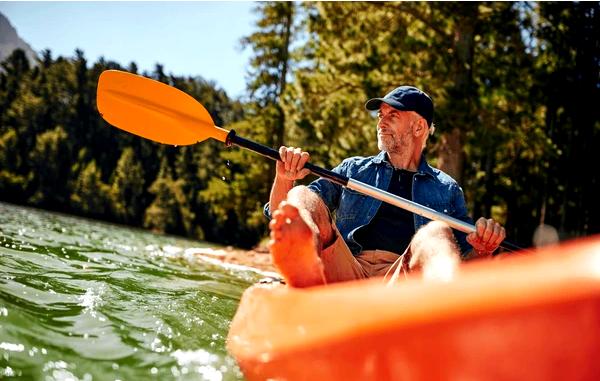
(162, 213)
(90, 195)
(236, 199)
(479, 62)
(127, 187)
(11, 182)
(170, 211)
(56, 152)
(49, 161)
(514, 86)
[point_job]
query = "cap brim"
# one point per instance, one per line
(374, 104)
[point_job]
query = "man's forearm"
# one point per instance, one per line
(279, 191)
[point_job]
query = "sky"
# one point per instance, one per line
(187, 38)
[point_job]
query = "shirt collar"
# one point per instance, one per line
(380, 158)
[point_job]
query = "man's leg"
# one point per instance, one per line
(434, 251)
(300, 228)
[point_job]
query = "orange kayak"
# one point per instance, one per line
(524, 317)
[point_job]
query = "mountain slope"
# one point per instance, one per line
(10, 40)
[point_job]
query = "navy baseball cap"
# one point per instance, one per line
(405, 98)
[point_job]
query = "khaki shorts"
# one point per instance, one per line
(340, 265)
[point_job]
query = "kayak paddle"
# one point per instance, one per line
(164, 114)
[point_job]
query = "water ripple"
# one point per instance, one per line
(83, 300)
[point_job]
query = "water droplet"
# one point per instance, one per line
(8, 372)
(223, 178)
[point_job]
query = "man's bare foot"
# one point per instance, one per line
(293, 248)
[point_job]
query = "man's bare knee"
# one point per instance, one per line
(434, 241)
(299, 193)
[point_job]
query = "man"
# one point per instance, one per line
(370, 238)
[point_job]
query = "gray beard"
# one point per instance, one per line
(395, 147)
(389, 146)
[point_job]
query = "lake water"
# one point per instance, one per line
(85, 300)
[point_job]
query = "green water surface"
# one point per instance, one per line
(84, 300)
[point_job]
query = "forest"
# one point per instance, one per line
(515, 85)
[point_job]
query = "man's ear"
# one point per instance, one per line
(420, 127)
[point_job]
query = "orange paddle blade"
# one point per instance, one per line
(153, 110)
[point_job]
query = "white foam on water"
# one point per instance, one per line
(12, 347)
(92, 299)
(209, 256)
(198, 357)
(59, 371)
(200, 361)
(8, 372)
(167, 251)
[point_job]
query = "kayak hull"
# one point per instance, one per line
(534, 317)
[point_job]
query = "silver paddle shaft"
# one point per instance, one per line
(409, 205)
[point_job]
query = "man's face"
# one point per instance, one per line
(394, 129)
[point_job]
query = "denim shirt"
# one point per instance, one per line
(431, 187)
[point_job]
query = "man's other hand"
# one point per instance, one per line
(487, 236)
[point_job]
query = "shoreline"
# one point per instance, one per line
(258, 258)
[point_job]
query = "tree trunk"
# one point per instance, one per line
(284, 54)
(450, 155)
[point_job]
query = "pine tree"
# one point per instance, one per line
(170, 211)
(90, 195)
(12, 183)
(50, 164)
(127, 188)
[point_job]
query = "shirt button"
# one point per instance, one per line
(445, 210)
